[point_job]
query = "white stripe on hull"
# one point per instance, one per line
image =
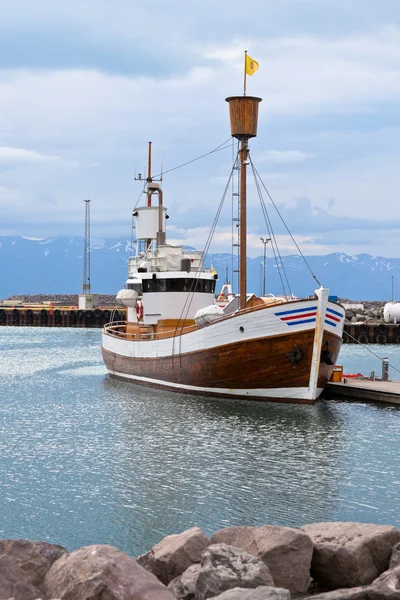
(300, 393)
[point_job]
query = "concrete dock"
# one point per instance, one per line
(386, 392)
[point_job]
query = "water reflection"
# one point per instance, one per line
(86, 459)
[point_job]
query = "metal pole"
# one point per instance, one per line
(265, 242)
(243, 224)
(245, 61)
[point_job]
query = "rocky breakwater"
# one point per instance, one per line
(321, 561)
(369, 313)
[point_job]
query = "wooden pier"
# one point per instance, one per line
(386, 392)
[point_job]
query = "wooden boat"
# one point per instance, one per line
(176, 337)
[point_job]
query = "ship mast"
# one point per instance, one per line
(243, 112)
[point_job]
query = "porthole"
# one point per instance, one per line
(241, 329)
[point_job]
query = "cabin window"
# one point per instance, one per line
(183, 284)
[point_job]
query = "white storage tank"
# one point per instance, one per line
(128, 297)
(391, 312)
(206, 315)
(147, 222)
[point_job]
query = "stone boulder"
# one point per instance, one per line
(386, 587)
(174, 554)
(287, 552)
(260, 593)
(357, 593)
(183, 587)
(350, 554)
(23, 566)
(395, 557)
(225, 567)
(102, 572)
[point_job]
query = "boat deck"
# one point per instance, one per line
(386, 392)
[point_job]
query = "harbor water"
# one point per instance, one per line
(85, 459)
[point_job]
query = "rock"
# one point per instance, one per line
(395, 557)
(353, 320)
(360, 317)
(23, 566)
(183, 587)
(350, 554)
(287, 552)
(225, 567)
(260, 593)
(174, 554)
(356, 593)
(102, 572)
(386, 587)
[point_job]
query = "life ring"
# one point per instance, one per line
(381, 339)
(381, 328)
(139, 310)
(363, 339)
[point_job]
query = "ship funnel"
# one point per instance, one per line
(243, 111)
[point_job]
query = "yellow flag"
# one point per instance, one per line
(251, 65)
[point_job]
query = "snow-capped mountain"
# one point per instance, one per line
(55, 265)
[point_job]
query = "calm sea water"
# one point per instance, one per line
(85, 459)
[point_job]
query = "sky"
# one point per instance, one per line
(84, 86)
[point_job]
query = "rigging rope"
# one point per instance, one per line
(369, 350)
(189, 298)
(286, 227)
(222, 146)
(274, 244)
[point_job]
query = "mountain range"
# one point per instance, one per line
(55, 266)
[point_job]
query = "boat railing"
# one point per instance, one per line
(118, 329)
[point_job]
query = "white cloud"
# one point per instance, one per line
(277, 157)
(22, 155)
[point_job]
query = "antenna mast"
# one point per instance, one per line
(86, 251)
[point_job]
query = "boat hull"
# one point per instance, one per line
(256, 370)
(233, 359)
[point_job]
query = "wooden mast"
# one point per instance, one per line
(243, 112)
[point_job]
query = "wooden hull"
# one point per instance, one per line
(284, 353)
(241, 370)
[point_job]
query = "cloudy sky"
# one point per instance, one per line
(85, 84)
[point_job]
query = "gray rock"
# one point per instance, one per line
(287, 552)
(360, 317)
(183, 587)
(23, 566)
(174, 554)
(353, 319)
(357, 593)
(102, 572)
(395, 557)
(386, 587)
(260, 593)
(225, 567)
(350, 554)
